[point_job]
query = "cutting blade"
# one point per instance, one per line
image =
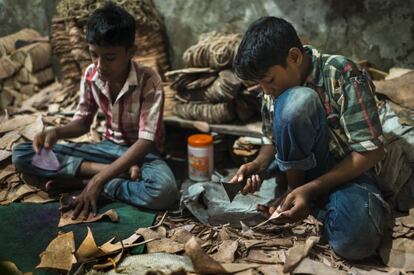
(232, 189)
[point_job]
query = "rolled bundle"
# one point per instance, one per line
(190, 79)
(213, 50)
(211, 113)
(225, 87)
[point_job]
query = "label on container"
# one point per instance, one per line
(199, 166)
(200, 163)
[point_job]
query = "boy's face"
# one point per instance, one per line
(112, 62)
(279, 78)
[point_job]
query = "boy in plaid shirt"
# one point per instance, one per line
(322, 134)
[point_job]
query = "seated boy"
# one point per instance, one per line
(322, 133)
(131, 98)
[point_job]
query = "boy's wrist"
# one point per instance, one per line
(57, 132)
(313, 188)
(261, 166)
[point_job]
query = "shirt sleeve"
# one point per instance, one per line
(150, 121)
(359, 115)
(87, 106)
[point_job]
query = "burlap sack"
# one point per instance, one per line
(34, 57)
(40, 78)
(8, 42)
(399, 90)
(7, 67)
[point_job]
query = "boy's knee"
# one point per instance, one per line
(21, 153)
(167, 193)
(297, 104)
(352, 246)
(354, 228)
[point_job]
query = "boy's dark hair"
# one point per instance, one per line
(266, 43)
(110, 25)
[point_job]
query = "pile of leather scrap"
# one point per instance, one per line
(25, 66)
(69, 44)
(181, 246)
(207, 89)
(398, 90)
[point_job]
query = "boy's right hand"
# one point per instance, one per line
(248, 173)
(45, 139)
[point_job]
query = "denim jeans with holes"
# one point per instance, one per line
(155, 189)
(353, 214)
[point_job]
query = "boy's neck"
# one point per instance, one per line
(306, 67)
(115, 86)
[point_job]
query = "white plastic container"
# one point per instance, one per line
(200, 157)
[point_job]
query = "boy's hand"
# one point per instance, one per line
(134, 172)
(294, 205)
(45, 139)
(87, 200)
(248, 173)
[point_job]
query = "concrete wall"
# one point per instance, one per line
(379, 30)
(19, 14)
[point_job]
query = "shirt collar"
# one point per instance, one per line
(131, 80)
(315, 76)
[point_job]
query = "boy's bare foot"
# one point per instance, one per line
(90, 169)
(64, 185)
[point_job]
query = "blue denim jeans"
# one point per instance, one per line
(353, 214)
(155, 189)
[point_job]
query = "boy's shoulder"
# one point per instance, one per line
(339, 66)
(146, 73)
(144, 69)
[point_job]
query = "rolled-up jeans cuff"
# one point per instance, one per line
(302, 164)
(70, 166)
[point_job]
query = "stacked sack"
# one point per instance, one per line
(208, 89)
(398, 90)
(69, 43)
(25, 66)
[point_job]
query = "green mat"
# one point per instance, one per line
(26, 229)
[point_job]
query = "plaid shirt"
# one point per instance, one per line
(136, 112)
(347, 95)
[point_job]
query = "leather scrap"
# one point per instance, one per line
(66, 218)
(59, 253)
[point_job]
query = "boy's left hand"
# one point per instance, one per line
(293, 207)
(87, 200)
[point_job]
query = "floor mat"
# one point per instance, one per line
(26, 229)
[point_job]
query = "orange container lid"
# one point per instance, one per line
(200, 140)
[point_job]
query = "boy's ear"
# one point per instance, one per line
(132, 50)
(295, 56)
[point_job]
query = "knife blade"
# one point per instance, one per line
(232, 189)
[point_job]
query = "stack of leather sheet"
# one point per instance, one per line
(25, 66)
(69, 43)
(208, 89)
